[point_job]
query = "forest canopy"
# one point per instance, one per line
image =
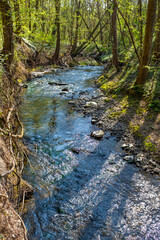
(114, 29)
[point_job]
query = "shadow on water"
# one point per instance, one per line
(94, 193)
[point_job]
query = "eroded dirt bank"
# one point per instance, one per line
(13, 189)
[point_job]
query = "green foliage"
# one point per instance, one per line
(149, 145)
(155, 105)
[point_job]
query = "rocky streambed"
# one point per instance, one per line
(86, 185)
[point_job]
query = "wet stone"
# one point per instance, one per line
(91, 104)
(37, 74)
(93, 121)
(98, 134)
(65, 89)
(71, 102)
(129, 158)
(156, 170)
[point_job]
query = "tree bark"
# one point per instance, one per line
(7, 23)
(36, 15)
(140, 25)
(17, 20)
(29, 15)
(77, 27)
(57, 21)
(157, 41)
(114, 35)
(147, 47)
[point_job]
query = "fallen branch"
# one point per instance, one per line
(25, 230)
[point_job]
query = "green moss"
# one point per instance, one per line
(136, 130)
(141, 110)
(117, 114)
(148, 145)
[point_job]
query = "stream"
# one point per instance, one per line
(83, 189)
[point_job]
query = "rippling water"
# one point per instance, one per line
(90, 193)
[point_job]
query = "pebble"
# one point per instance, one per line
(129, 158)
(71, 102)
(65, 89)
(156, 170)
(123, 146)
(37, 74)
(98, 134)
(93, 121)
(91, 104)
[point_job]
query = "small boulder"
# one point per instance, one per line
(129, 158)
(91, 104)
(71, 102)
(49, 71)
(37, 74)
(98, 134)
(93, 121)
(65, 89)
(124, 146)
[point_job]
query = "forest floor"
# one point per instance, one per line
(133, 117)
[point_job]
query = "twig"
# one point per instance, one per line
(9, 114)
(22, 129)
(23, 202)
(25, 230)
(4, 131)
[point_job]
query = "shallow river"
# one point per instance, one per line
(83, 189)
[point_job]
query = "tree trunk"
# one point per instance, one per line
(147, 47)
(157, 41)
(77, 27)
(99, 16)
(17, 20)
(29, 15)
(57, 21)
(36, 14)
(7, 22)
(81, 47)
(140, 25)
(114, 35)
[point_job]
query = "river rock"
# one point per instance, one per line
(156, 170)
(91, 104)
(71, 102)
(124, 146)
(37, 74)
(98, 134)
(127, 146)
(129, 158)
(48, 71)
(65, 90)
(93, 121)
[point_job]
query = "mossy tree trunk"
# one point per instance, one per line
(147, 47)
(7, 23)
